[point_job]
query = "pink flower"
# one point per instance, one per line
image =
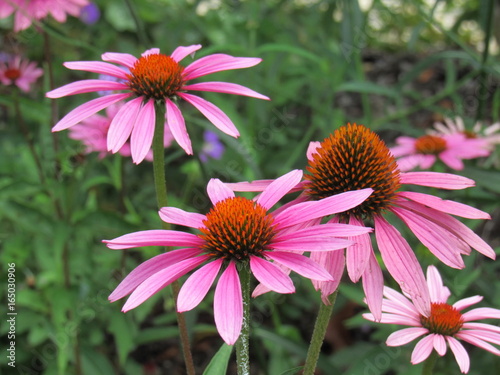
(237, 232)
(26, 11)
(93, 131)
(354, 157)
(154, 77)
(451, 149)
(19, 72)
(445, 324)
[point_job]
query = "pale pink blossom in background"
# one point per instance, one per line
(451, 149)
(154, 77)
(93, 132)
(444, 327)
(19, 72)
(354, 157)
(27, 11)
(237, 232)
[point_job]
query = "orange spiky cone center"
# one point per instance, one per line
(12, 74)
(430, 145)
(444, 319)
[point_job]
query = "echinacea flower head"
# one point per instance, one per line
(354, 157)
(153, 79)
(27, 11)
(93, 132)
(451, 149)
(19, 72)
(444, 326)
(237, 232)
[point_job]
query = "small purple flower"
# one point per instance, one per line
(212, 147)
(90, 14)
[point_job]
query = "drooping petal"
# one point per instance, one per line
(160, 280)
(84, 86)
(422, 350)
(373, 286)
(196, 287)
(461, 355)
(212, 113)
(177, 216)
(226, 88)
(182, 51)
(404, 336)
(87, 109)
(218, 191)
(177, 126)
(467, 302)
(333, 262)
(437, 180)
(300, 264)
(447, 206)
(358, 254)
(278, 188)
(228, 305)
(122, 124)
(217, 63)
(271, 275)
(439, 344)
(97, 67)
(143, 132)
(155, 237)
(402, 264)
(149, 268)
(124, 59)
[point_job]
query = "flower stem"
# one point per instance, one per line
(325, 311)
(161, 197)
(429, 363)
(242, 345)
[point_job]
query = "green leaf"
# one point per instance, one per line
(218, 364)
(368, 88)
(123, 331)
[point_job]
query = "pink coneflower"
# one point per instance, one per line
(354, 157)
(490, 134)
(19, 72)
(445, 324)
(424, 151)
(236, 232)
(26, 11)
(93, 132)
(154, 77)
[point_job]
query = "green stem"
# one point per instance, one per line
(161, 197)
(325, 311)
(429, 363)
(242, 345)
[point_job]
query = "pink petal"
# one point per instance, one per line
(149, 268)
(155, 237)
(358, 255)
(489, 336)
(160, 280)
(88, 109)
(97, 67)
(120, 58)
(177, 216)
(305, 211)
(400, 299)
(312, 244)
(218, 191)
(328, 230)
(181, 52)
(271, 275)
(437, 291)
(228, 305)
(436, 179)
(404, 336)
(311, 150)
(422, 350)
(394, 319)
(84, 86)
(373, 286)
(333, 262)
(450, 207)
(300, 264)
(462, 335)
(439, 344)
(177, 126)
(481, 326)
(402, 264)
(143, 132)
(122, 124)
(151, 51)
(258, 185)
(481, 313)
(212, 113)
(467, 302)
(461, 355)
(278, 188)
(196, 287)
(226, 88)
(452, 160)
(217, 63)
